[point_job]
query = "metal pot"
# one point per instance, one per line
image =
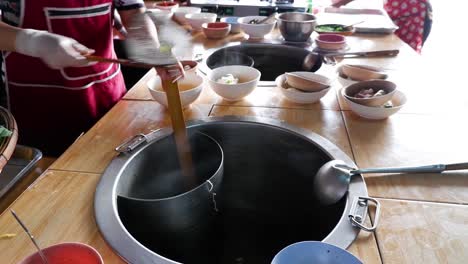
(266, 200)
(223, 58)
(296, 26)
(156, 205)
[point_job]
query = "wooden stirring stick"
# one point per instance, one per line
(178, 125)
(169, 85)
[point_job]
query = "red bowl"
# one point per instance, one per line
(216, 30)
(217, 25)
(335, 38)
(70, 253)
(167, 4)
(330, 41)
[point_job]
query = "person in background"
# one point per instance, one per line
(413, 18)
(54, 93)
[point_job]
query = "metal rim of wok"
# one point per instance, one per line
(125, 245)
(205, 69)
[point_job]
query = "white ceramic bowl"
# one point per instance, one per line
(298, 96)
(307, 81)
(186, 97)
(362, 72)
(377, 112)
(180, 12)
(255, 31)
(389, 87)
(235, 27)
(344, 81)
(196, 20)
(248, 76)
(160, 16)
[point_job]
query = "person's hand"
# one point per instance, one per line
(171, 73)
(56, 51)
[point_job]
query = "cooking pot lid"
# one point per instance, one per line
(316, 252)
(7, 142)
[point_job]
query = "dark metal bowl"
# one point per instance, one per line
(296, 26)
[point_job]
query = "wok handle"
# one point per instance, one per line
(457, 166)
(357, 214)
(418, 169)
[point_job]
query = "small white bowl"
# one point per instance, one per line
(255, 31)
(307, 81)
(160, 16)
(389, 87)
(248, 76)
(196, 20)
(342, 79)
(180, 12)
(298, 96)
(235, 27)
(186, 97)
(377, 112)
(360, 72)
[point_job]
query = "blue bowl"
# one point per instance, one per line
(235, 27)
(315, 252)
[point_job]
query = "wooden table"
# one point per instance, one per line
(424, 217)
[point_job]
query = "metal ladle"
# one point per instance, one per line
(313, 60)
(39, 250)
(332, 180)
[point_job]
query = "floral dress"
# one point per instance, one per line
(412, 18)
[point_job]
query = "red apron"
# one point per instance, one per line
(53, 107)
(410, 17)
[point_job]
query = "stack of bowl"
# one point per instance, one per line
(373, 99)
(303, 87)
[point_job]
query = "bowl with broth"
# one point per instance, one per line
(233, 82)
(190, 88)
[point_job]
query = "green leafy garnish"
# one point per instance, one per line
(4, 132)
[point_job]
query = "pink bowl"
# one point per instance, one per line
(69, 253)
(330, 41)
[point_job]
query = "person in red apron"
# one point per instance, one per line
(54, 93)
(413, 18)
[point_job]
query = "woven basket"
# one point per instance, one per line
(7, 144)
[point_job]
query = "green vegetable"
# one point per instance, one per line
(4, 132)
(165, 48)
(331, 28)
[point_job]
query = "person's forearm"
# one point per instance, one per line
(8, 37)
(341, 3)
(126, 15)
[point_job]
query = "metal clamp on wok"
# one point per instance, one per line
(358, 212)
(135, 141)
